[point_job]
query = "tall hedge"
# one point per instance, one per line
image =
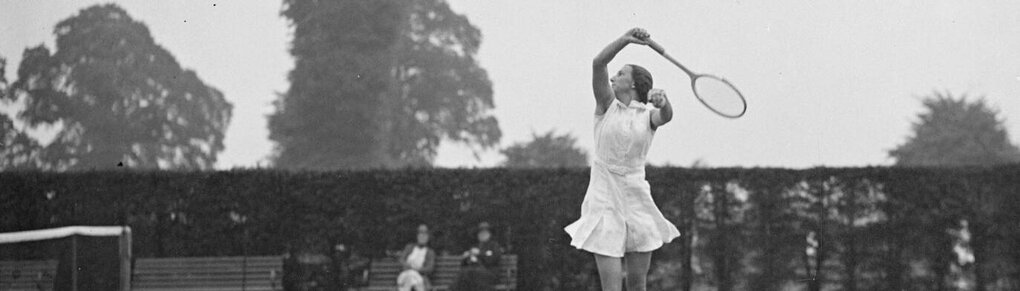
(744, 229)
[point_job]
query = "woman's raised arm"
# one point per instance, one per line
(600, 74)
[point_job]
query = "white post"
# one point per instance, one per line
(125, 259)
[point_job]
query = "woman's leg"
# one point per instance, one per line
(610, 272)
(404, 281)
(637, 270)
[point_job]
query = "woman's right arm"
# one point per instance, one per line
(600, 74)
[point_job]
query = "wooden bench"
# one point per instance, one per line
(382, 274)
(27, 275)
(208, 274)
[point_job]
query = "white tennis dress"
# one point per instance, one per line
(618, 214)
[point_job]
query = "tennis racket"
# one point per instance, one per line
(716, 93)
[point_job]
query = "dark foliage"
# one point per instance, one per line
(743, 229)
(116, 97)
(379, 84)
(546, 151)
(957, 132)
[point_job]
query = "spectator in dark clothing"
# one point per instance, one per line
(480, 264)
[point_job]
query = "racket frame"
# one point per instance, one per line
(694, 78)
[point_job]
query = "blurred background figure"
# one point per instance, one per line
(418, 260)
(480, 263)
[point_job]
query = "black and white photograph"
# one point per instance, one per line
(481, 145)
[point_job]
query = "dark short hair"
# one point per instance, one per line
(642, 82)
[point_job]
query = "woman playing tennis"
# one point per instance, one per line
(620, 223)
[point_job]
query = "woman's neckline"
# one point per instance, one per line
(633, 104)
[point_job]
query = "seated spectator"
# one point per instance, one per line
(418, 260)
(480, 264)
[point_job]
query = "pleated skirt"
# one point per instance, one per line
(619, 216)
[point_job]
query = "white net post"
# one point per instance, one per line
(125, 259)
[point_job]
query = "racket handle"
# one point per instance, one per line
(655, 46)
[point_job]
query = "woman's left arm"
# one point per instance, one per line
(664, 110)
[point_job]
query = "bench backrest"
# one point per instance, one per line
(27, 275)
(384, 272)
(221, 273)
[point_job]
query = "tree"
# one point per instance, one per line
(380, 84)
(14, 142)
(546, 151)
(956, 132)
(117, 97)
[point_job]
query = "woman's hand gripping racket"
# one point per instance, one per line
(715, 93)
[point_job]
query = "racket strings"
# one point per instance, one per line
(719, 96)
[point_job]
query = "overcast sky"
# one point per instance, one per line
(833, 83)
